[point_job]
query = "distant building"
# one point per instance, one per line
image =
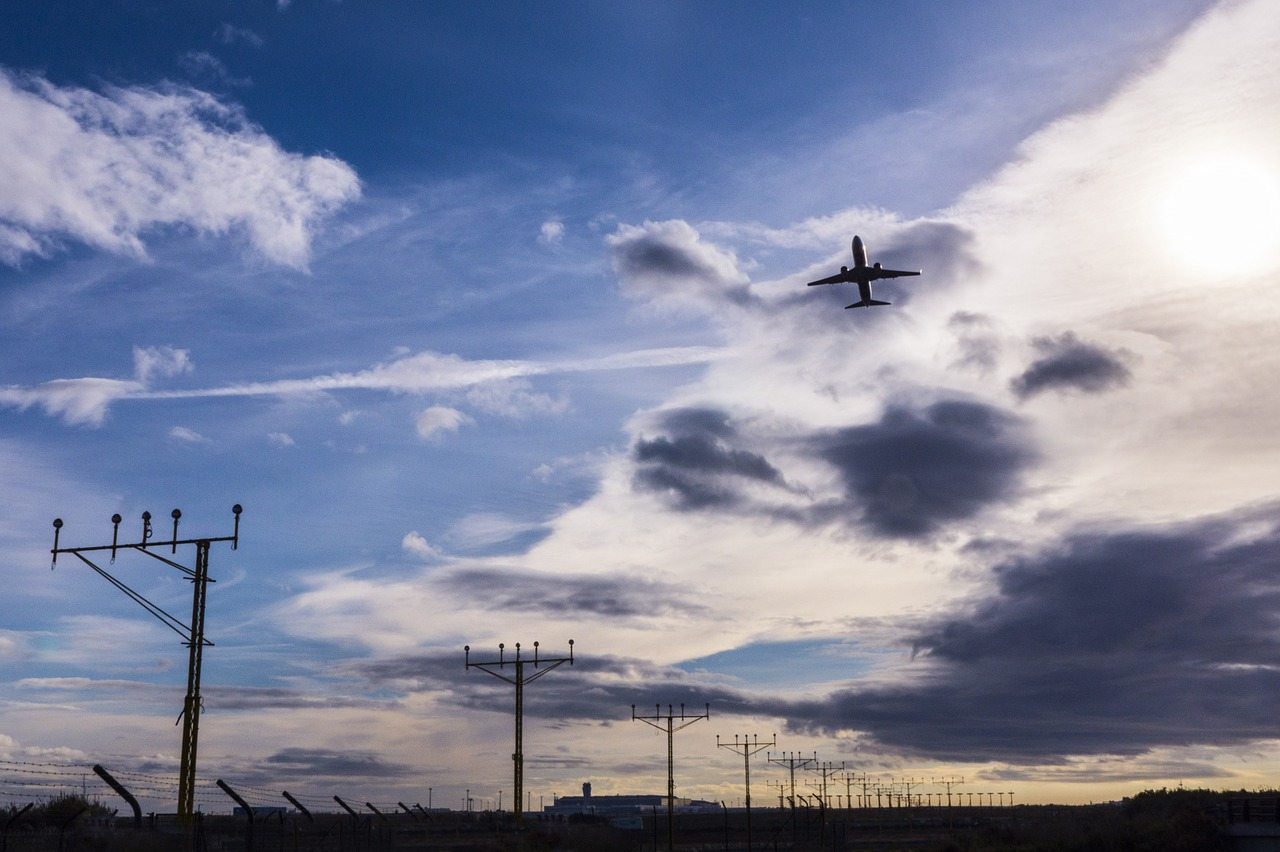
(609, 806)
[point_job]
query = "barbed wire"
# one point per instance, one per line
(48, 779)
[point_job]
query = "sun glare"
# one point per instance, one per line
(1222, 215)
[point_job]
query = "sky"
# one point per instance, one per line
(493, 318)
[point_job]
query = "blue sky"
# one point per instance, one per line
(493, 318)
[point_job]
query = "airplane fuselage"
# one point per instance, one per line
(860, 264)
(863, 274)
(859, 253)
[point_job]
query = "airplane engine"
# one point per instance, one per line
(877, 266)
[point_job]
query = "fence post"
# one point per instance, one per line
(301, 809)
(347, 808)
(62, 827)
(121, 792)
(222, 785)
(4, 836)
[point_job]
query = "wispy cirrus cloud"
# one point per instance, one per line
(79, 402)
(86, 401)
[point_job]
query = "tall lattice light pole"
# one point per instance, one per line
(497, 668)
(669, 724)
(747, 747)
(192, 634)
(792, 760)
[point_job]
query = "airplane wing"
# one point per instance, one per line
(838, 278)
(895, 273)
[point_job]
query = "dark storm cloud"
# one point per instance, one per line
(651, 255)
(216, 696)
(696, 464)
(596, 688)
(1122, 769)
(1069, 363)
(614, 595)
(916, 470)
(319, 762)
(1111, 643)
(273, 698)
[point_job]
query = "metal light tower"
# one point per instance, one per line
(948, 781)
(826, 769)
(668, 725)
(793, 761)
(192, 635)
(747, 747)
(850, 778)
(497, 668)
(908, 783)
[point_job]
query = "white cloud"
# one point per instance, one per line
(163, 361)
(77, 401)
(514, 398)
(281, 439)
(551, 232)
(485, 528)
(425, 372)
(202, 65)
(13, 646)
(85, 401)
(1062, 238)
(107, 169)
(230, 34)
(414, 543)
(437, 419)
(187, 436)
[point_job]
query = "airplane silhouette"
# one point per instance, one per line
(862, 275)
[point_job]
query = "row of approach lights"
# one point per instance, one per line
(147, 531)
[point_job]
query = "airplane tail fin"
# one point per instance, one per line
(867, 304)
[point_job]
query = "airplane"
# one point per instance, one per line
(862, 275)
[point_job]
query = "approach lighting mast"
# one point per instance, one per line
(192, 634)
(518, 679)
(747, 747)
(669, 724)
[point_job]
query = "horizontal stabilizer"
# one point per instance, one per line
(868, 303)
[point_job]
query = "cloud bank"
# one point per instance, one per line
(1111, 642)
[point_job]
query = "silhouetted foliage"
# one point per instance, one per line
(57, 811)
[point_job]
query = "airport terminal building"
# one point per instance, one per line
(609, 806)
